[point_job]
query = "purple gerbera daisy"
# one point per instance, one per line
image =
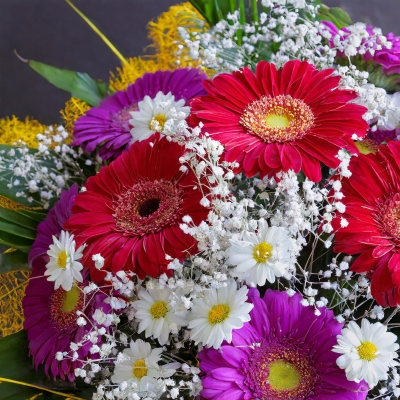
(108, 124)
(50, 315)
(284, 352)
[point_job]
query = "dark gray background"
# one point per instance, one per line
(51, 32)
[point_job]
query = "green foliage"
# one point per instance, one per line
(79, 84)
(213, 10)
(334, 14)
(13, 261)
(17, 231)
(216, 10)
(17, 366)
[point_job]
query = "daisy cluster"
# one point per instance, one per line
(232, 237)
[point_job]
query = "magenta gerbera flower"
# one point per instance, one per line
(284, 352)
(53, 223)
(108, 124)
(50, 315)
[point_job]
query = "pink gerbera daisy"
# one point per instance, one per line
(132, 209)
(273, 120)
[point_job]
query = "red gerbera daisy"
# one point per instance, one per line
(292, 118)
(131, 211)
(372, 199)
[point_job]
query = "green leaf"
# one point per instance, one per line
(16, 230)
(17, 218)
(79, 84)
(212, 10)
(14, 261)
(15, 365)
(15, 241)
(342, 16)
(334, 14)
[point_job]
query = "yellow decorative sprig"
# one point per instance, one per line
(74, 108)
(12, 129)
(97, 30)
(12, 291)
(165, 37)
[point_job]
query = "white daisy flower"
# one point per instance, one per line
(156, 315)
(64, 266)
(141, 365)
(262, 256)
(213, 317)
(367, 351)
(153, 113)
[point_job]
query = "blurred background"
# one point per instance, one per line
(51, 32)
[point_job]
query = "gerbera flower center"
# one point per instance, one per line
(63, 307)
(389, 217)
(157, 123)
(62, 259)
(367, 351)
(218, 314)
(262, 252)
(280, 371)
(146, 207)
(283, 375)
(139, 369)
(367, 146)
(278, 119)
(159, 309)
(122, 117)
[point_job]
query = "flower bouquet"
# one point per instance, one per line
(220, 221)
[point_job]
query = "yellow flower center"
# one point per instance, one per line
(157, 122)
(277, 120)
(139, 369)
(159, 309)
(367, 146)
(262, 252)
(283, 375)
(367, 351)
(70, 299)
(218, 314)
(62, 259)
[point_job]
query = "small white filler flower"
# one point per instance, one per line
(141, 365)
(367, 352)
(153, 113)
(214, 316)
(262, 256)
(64, 266)
(156, 314)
